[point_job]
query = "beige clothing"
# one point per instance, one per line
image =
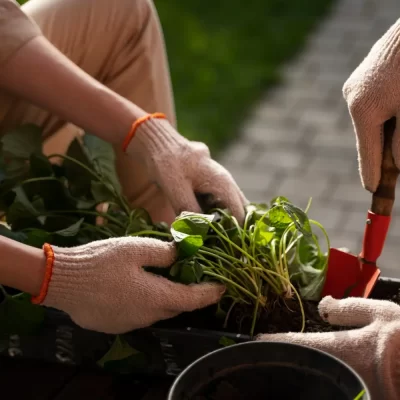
(117, 42)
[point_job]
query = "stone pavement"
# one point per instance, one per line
(299, 141)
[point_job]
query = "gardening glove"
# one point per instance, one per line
(103, 286)
(373, 350)
(372, 93)
(183, 168)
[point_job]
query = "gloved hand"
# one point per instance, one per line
(373, 350)
(103, 287)
(183, 168)
(373, 96)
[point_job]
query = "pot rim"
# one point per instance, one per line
(266, 342)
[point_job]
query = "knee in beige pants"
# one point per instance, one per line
(120, 43)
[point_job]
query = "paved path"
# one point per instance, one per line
(299, 141)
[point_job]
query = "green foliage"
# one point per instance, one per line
(274, 254)
(19, 316)
(224, 54)
(122, 358)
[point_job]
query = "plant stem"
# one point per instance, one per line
(255, 313)
(223, 278)
(151, 233)
(84, 212)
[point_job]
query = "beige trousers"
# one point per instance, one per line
(119, 43)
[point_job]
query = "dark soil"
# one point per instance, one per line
(286, 317)
(280, 317)
(280, 382)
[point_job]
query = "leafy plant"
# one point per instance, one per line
(275, 254)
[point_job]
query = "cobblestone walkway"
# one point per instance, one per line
(299, 141)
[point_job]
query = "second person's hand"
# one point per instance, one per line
(183, 168)
(372, 349)
(372, 93)
(103, 286)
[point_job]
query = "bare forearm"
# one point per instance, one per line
(21, 267)
(41, 74)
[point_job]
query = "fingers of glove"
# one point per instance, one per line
(154, 252)
(200, 149)
(219, 182)
(356, 311)
(369, 147)
(181, 195)
(185, 298)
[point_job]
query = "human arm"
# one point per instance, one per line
(35, 70)
(22, 267)
(39, 73)
(102, 285)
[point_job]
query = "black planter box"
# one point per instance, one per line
(167, 349)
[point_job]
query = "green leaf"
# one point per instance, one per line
(19, 316)
(71, 230)
(278, 217)
(79, 178)
(189, 231)
(224, 341)
(102, 156)
(190, 272)
(119, 350)
(17, 236)
(263, 233)
(308, 269)
(23, 208)
(40, 166)
(299, 217)
(100, 192)
(38, 237)
(17, 147)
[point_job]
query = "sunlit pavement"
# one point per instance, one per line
(300, 142)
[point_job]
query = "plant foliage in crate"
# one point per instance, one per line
(274, 257)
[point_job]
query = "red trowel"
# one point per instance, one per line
(356, 276)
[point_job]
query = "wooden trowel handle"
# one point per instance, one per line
(383, 198)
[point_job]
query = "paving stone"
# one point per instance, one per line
(301, 134)
(263, 134)
(352, 193)
(238, 153)
(251, 180)
(300, 189)
(354, 221)
(340, 164)
(333, 141)
(286, 158)
(345, 239)
(328, 216)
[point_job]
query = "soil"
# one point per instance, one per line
(281, 316)
(280, 382)
(286, 317)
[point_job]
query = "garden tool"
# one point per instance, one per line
(356, 276)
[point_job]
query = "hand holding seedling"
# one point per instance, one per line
(183, 168)
(103, 286)
(372, 93)
(372, 349)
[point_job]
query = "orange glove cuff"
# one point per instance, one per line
(136, 125)
(49, 253)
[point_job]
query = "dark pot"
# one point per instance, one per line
(265, 370)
